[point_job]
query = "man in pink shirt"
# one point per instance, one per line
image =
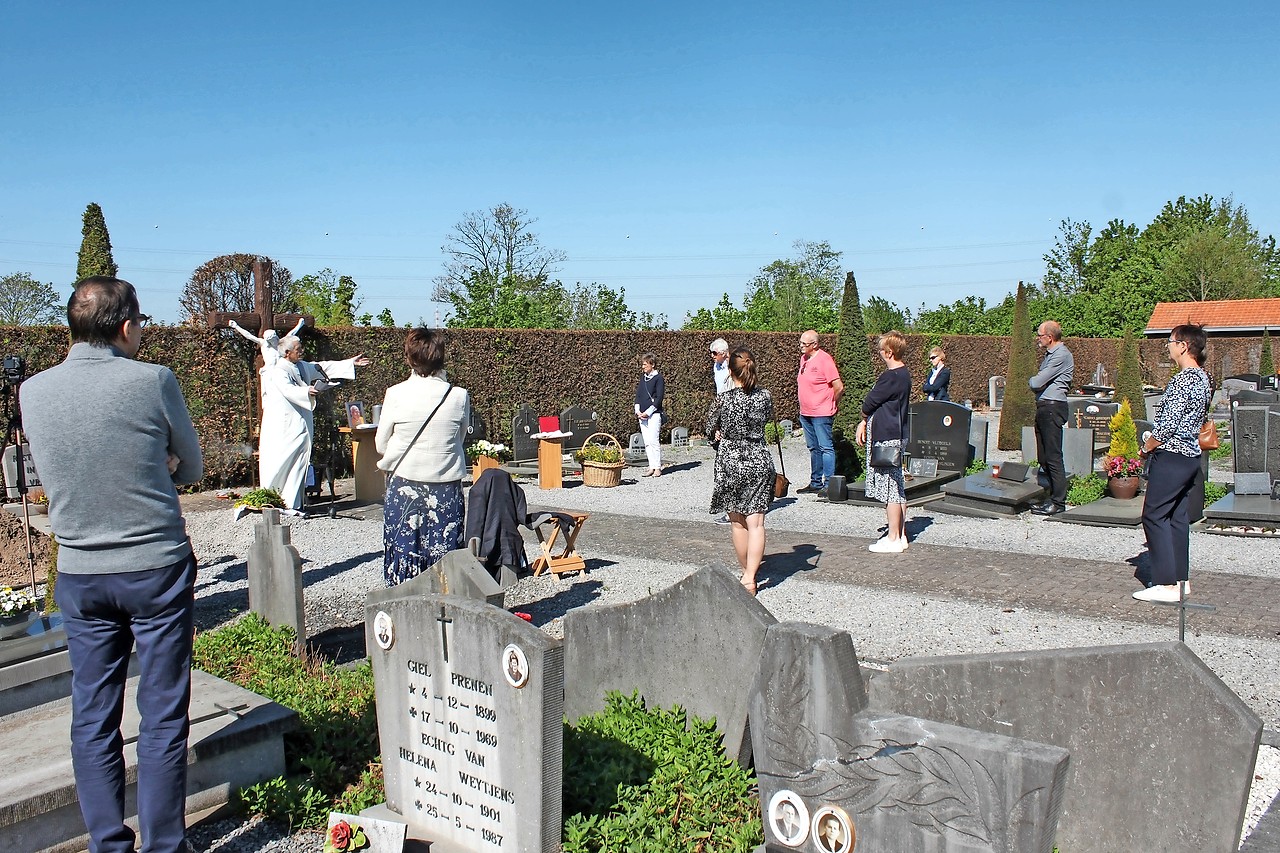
(820, 388)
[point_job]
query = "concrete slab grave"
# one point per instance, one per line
(275, 577)
(470, 702)
(993, 495)
(1104, 512)
(836, 776)
(1162, 752)
(662, 647)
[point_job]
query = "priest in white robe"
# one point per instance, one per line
(289, 389)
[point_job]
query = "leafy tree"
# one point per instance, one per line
(1266, 363)
(724, 317)
(881, 315)
(328, 297)
(791, 295)
(598, 306)
(853, 360)
(95, 247)
(494, 248)
(1066, 263)
(225, 283)
(967, 316)
(1129, 376)
(1019, 407)
(1207, 249)
(27, 302)
(508, 303)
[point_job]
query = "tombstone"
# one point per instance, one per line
(941, 431)
(1186, 743)
(456, 573)
(1270, 383)
(886, 783)
(1087, 413)
(660, 646)
(1255, 397)
(1077, 451)
(275, 577)
(524, 425)
(1251, 381)
(1100, 376)
(978, 439)
(1143, 429)
(580, 421)
(30, 478)
(1252, 484)
(983, 496)
(635, 454)
(995, 392)
(679, 437)
(476, 430)
(1029, 444)
(470, 703)
(787, 427)
(1251, 427)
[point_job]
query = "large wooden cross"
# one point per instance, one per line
(262, 317)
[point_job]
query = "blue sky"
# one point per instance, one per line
(669, 148)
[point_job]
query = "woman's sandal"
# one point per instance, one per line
(750, 587)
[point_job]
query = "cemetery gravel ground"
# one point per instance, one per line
(343, 561)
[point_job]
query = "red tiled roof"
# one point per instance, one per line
(1234, 315)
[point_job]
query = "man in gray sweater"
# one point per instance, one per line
(1051, 385)
(110, 437)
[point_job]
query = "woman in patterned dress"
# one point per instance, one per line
(1174, 447)
(423, 510)
(886, 409)
(744, 473)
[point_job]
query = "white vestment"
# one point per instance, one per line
(284, 441)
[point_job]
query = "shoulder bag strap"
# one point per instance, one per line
(416, 435)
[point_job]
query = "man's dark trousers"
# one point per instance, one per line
(1051, 416)
(104, 615)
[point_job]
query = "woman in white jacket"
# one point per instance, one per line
(420, 436)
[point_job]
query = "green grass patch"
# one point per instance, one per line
(1222, 451)
(1086, 490)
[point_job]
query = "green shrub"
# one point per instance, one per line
(977, 466)
(1214, 492)
(337, 742)
(1086, 490)
(644, 782)
(773, 433)
(1222, 451)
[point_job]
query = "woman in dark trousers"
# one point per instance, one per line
(886, 409)
(1174, 448)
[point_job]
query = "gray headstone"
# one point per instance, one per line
(995, 392)
(787, 427)
(524, 425)
(1186, 743)
(1251, 381)
(470, 720)
(275, 576)
(679, 436)
(30, 477)
(456, 573)
(636, 442)
(1077, 451)
(892, 784)
(940, 431)
(580, 421)
(476, 430)
(1252, 484)
(1255, 397)
(1084, 413)
(1250, 426)
(1029, 444)
(660, 646)
(978, 439)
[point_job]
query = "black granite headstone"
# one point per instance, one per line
(941, 431)
(580, 421)
(476, 429)
(524, 448)
(1089, 413)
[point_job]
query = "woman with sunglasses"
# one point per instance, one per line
(938, 382)
(1174, 448)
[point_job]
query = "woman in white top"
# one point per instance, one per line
(420, 436)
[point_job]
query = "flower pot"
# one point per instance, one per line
(1123, 488)
(482, 464)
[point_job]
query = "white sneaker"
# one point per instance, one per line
(1161, 594)
(888, 546)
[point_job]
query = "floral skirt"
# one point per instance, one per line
(885, 484)
(421, 523)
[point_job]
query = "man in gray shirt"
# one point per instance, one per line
(1051, 385)
(110, 437)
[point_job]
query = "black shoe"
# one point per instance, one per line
(810, 490)
(1048, 509)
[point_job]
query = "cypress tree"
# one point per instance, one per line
(1266, 364)
(95, 248)
(1129, 377)
(853, 360)
(1019, 408)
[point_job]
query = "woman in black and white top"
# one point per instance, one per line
(649, 393)
(937, 384)
(1174, 447)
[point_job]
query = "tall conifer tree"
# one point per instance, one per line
(1019, 408)
(853, 360)
(1266, 362)
(1129, 377)
(95, 248)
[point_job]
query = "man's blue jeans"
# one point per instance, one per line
(822, 451)
(104, 617)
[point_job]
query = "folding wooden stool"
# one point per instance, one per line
(568, 559)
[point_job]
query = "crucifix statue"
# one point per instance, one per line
(262, 320)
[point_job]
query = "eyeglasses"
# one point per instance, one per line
(142, 321)
(1176, 341)
(807, 344)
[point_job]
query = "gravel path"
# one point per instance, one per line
(343, 561)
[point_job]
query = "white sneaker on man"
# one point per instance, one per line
(888, 546)
(1159, 594)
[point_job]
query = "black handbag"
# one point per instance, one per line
(884, 456)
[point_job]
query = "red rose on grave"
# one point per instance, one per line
(340, 836)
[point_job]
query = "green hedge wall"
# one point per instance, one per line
(549, 370)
